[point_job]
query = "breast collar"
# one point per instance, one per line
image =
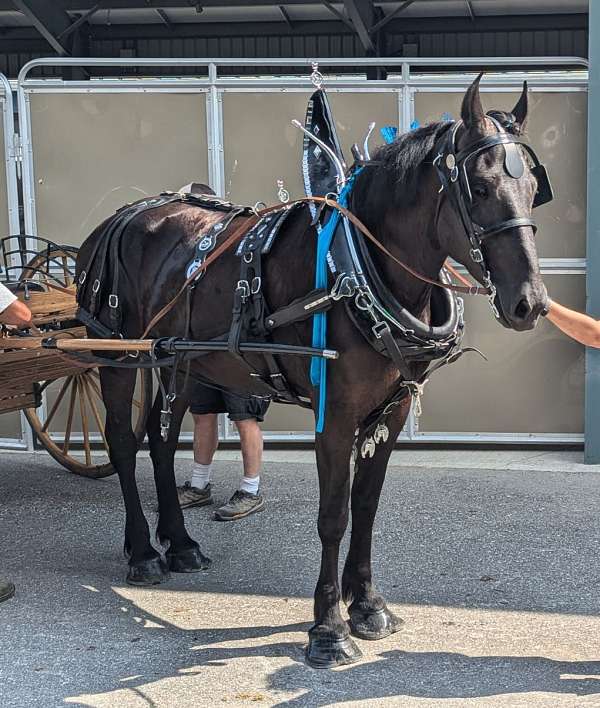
(451, 166)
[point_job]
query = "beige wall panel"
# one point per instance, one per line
(95, 152)
(10, 425)
(261, 145)
(4, 229)
(557, 129)
(532, 383)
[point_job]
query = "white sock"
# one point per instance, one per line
(250, 484)
(200, 475)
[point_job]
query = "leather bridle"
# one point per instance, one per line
(451, 166)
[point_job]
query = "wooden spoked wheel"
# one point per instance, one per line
(70, 423)
(72, 430)
(55, 265)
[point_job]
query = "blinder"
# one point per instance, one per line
(513, 161)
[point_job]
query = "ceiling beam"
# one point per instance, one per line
(361, 14)
(164, 17)
(286, 17)
(50, 21)
(78, 22)
(340, 15)
(393, 14)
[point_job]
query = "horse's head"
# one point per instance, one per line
(497, 186)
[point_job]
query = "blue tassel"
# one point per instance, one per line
(389, 133)
(415, 124)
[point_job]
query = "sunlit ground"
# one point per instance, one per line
(494, 569)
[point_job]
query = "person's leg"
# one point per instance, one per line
(206, 441)
(246, 414)
(251, 442)
(205, 406)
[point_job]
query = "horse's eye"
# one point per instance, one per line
(480, 191)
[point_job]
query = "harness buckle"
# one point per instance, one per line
(95, 285)
(82, 277)
(476, 255)
(380, 328)
(113, 301)
(256, 285)
(243, 288)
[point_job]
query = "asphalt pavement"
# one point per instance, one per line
(492, 561)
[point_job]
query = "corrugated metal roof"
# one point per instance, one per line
(270, 12)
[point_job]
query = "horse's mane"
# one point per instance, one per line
(396, 180)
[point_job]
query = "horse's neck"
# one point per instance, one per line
(410, 235)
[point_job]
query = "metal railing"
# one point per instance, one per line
(405, 80)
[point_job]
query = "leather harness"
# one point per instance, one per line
(388, 327)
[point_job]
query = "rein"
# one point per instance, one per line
(239, 233)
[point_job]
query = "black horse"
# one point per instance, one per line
(397, 195)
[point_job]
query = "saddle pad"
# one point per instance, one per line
(262, 235)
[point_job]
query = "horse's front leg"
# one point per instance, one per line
(329, 638)
(183, 553)
(370, 617)
(145, 564)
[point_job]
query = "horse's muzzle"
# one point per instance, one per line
(524, 308)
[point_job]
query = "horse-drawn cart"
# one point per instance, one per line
(60, 399)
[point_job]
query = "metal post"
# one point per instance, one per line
(592, 373)
(10, 159)
(214, 126)
(10, 156)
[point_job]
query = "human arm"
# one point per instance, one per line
(577, 325)
(13, 311)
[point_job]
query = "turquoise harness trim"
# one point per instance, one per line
(318, 366)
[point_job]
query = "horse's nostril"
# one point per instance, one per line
(523, 309)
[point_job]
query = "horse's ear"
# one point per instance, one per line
(471, 111)
(522, 106)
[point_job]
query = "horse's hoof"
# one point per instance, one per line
(148, 572)
(187, 560)
(327, 651)
(375, 624)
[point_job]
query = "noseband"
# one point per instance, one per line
(451, 166)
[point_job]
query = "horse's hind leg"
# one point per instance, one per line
(145, 564)
(183, 554)
(329, 641)
(370, 617)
